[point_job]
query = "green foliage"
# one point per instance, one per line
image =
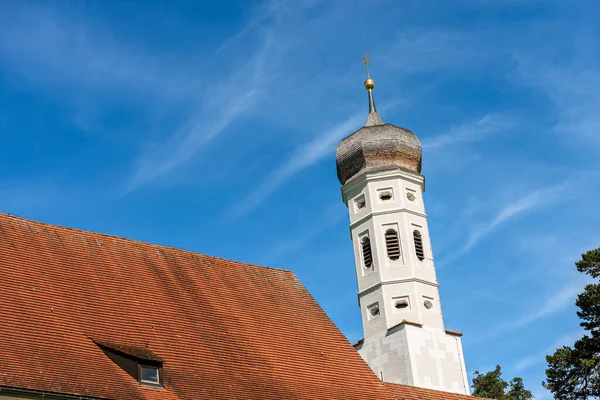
(573, 373)
(491, 385)
(590, 263)
(517, 390)
(589, 301)
(589, 309)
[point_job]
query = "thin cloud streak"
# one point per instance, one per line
(555, 303)
(418, 50)
(536, 199)
(572, 86)
(565, 340)
(329, 218)
(56, 47)
(48, 46)
(469, 132)
(304, 157)
(238, 94)
(525, 363)
(265, 12)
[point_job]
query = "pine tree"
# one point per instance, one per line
(573, 373)
(517, 390)
(491, 385)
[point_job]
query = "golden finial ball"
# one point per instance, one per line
(369, 84)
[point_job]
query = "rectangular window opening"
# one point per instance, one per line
(149, 375)
(359, 203)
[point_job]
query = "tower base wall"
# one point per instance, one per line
(413, 355)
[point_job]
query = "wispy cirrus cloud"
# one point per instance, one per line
(531, 360)
(417, 50)
(63, 47)
(304, 156)
(555, 303)
(286, 246)
(533, 200)
(53, 46)
(526, 362)
(469, 132)
(575, 90)
(573, 85)
(237, 94)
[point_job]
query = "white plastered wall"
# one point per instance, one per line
(407, 345)
(417, 356)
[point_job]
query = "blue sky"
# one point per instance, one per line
(212, 126)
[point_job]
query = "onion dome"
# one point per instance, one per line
(377, 146)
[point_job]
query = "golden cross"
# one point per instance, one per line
(365, 61)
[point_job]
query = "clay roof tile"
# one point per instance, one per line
(222, 329)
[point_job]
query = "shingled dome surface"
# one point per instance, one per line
(377, 148)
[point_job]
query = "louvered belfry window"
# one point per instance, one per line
(392, 244)
(418, 245)
(366, 250)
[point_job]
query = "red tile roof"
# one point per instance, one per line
(404, 392)
(223, 329)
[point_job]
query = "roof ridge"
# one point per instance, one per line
(136, 241)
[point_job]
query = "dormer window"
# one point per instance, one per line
(140, 363)
(149, 374)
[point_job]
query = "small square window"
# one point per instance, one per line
(401, 303)
(359, 203)
(428, 303)
(373, 310)
(385, 194)
(149, 374)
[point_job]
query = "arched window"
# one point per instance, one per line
(392, 244)
(418, 245)
(366, 252)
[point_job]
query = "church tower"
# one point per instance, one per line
(405, 340)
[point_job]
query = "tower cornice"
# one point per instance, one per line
(379, 285)
(385, 212)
